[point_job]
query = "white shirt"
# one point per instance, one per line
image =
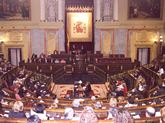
(161, 71)
(42, 116)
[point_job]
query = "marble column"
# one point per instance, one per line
(42, 9)
(98, 10)
(60, 10)
(115, 11)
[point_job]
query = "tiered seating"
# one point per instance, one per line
(33, 79)
(19, 78)
(101, 113)
(114, 64)
(18, 120)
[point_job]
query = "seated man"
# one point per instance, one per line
(56, 61)
(33, 119)
(78, 89)
(150, 112)
(40, 112)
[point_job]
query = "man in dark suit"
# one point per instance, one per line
(87, 89)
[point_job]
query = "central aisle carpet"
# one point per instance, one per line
(99, 90)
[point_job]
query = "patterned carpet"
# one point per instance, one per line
(61, 89)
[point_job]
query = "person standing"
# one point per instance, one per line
(87, 89)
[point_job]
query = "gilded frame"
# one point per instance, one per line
(15, 10)
(145, 9)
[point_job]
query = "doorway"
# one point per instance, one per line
(15, 55)
(143, 55)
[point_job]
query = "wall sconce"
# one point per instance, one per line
(161, 43)
(161, 38)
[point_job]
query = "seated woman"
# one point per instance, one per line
(162, 112)
(112, 112)
(123, 116)
(63, 61)
(88, 116)
(17, 110)
(55, 102)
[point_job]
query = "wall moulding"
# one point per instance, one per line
(130, 25)
(8, 26)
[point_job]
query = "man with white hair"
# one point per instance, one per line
(69, 113)
(150, 112)
(160, 71)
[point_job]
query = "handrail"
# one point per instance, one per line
(100, 69)
(59, 73)
(61, 109)
(152, 74)
(151, 71)
(100, 72)
(87, 100)
(24, 120)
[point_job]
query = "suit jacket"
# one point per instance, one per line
(88, 89)
(13, 114)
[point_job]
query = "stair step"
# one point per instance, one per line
(80, 76)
